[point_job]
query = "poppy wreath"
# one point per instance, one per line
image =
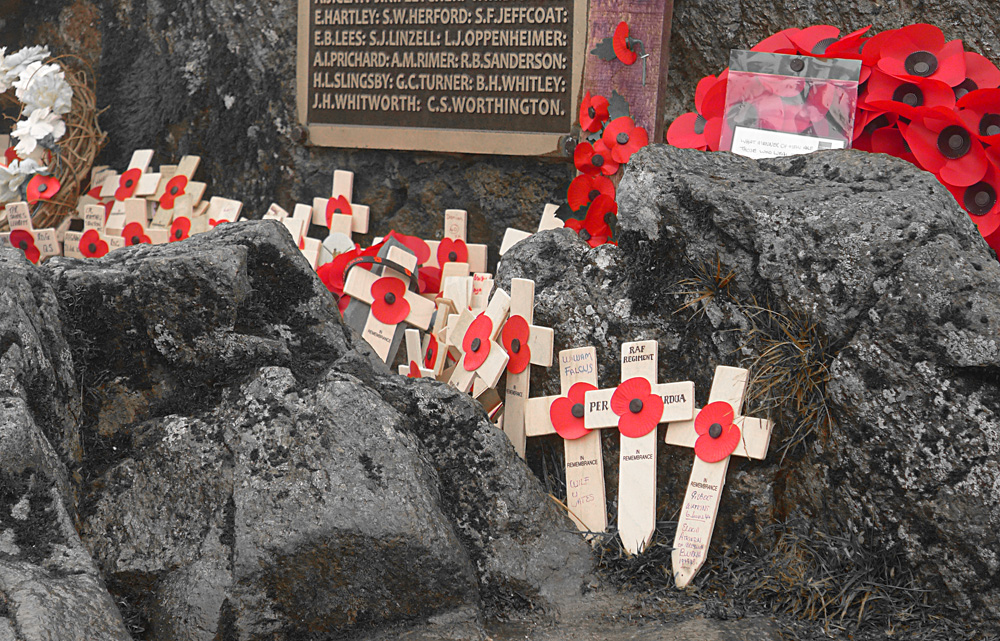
(923, 99)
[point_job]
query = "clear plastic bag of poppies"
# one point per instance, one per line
(779, 105)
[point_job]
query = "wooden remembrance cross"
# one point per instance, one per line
(389, 299)
(526, 345)
(563, 415)
(480, 357)
(636, 407)
(716, 432)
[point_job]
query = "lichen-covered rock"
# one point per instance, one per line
(881, 300)
(253, 470)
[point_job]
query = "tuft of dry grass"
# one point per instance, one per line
(707, 281)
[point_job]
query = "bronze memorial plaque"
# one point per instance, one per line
(477, 76)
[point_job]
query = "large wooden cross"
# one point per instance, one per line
(563, 415)
(389, 299)
(475, 337)
(636, 407)
(526, 345)
(716, 432)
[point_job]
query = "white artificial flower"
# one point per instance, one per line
(41, 86)
(15, 175)
(11, 66)
(41, 123)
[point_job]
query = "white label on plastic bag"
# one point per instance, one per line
(761, 143)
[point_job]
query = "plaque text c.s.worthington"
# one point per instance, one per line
(488, 76)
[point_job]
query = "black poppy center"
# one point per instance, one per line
(989, 125)
(921, 63)
(476, 344)
(452, 256)
(797, 64)
(967, 85)
(515, 345)
(42, 188)
(715, 430)
(594, 193)
(429, 356)
(980, 198)
(954, 142)
(135, 240)
(622, 138)
(909, 94)
(597, 160)
(178, 234)
(23, 245)
(577, 410)
(878, 123)
(128, 183)
(635, 405)
(820, 47)
(699, 124)
(174, 190)
(389, 298)
(584, 234)
(592, 112)
(92, 248)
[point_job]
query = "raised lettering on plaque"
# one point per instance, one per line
(477, 76)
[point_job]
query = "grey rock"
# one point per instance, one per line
(887, 285)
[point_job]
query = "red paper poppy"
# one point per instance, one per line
(566, 412)
(594, 228)
(42, 188)
(25, 241)
(91, 245)
(430, 356)
(175, 187)
(980, 111)
(594, 158)
(416, 245)
(389, 305)
(128, 183)
(703, 128)
(134, 234)
(620, 43)
(452, 250)
(944, 145)
(924, 93)
(980, 73)
(920, 51)
(718, 436)
(813, 41)
(637, 409)
(593, 112)
(429, 279)
(414, 370)
(515, 340)
(778, 43)
(623, 138)
(476, 342)
(849, 46)
(584, 189)
(9, 156)
(338, 205)
(890, 140)
(180, 228)
(981, 202)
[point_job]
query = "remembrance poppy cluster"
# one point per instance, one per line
(922, 98)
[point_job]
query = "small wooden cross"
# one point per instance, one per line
(339, 213)
(37, 244)
(86, 238)
(135, 182)
(636, 407)
(549, 220)
(414, 357)
(389, 299)
(716, 432)
(482, 287)
(563, 415)
(475, 337)
(526, 345)
(454, 248)
(176, 181)
(435, 345)
(136, 229)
